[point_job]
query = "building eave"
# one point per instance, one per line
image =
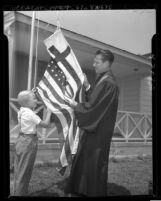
(84, 39)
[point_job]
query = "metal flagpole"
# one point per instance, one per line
(36, 62)
(31, 51)
(57, 20)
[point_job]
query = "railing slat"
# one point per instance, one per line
(13, 107)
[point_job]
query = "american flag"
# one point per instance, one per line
(62, 78)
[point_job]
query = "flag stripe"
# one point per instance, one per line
(76, 140)
(77, 97)
(61, 117)
(43, 85)
(53, 91)
(56, 119)
(58, 124)
(46, 91)
(60, 109)
(68, 151)
(63, 160)
(66, 155)
(57, 92)
(57, 108)
(54, 84)
(74, 127)
(69, 143)
(39, 97)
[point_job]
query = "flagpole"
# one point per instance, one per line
(31, 51)
(36, 56)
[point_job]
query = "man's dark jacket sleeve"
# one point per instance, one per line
(101, 101)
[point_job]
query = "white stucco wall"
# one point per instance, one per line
(135, 93)
(129, 93)
(146, 94)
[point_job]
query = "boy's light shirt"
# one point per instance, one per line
(28, 120)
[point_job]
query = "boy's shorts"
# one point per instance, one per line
(25, 142)
(25, 154)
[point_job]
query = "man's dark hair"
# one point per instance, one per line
(106, 55)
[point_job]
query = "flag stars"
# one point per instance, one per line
(57, 74)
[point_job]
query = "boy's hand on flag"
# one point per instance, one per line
(34, 90)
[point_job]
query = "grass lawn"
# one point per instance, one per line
(126, 177)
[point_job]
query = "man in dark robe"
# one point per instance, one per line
(96, 117)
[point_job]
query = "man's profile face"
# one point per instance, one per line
(99, 65)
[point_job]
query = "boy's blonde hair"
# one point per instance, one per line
(23, 97)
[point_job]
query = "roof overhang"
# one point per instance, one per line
(84, 47)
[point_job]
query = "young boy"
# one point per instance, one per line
(26, 144)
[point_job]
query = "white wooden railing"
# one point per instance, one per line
(129, 127)
(133, 126)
